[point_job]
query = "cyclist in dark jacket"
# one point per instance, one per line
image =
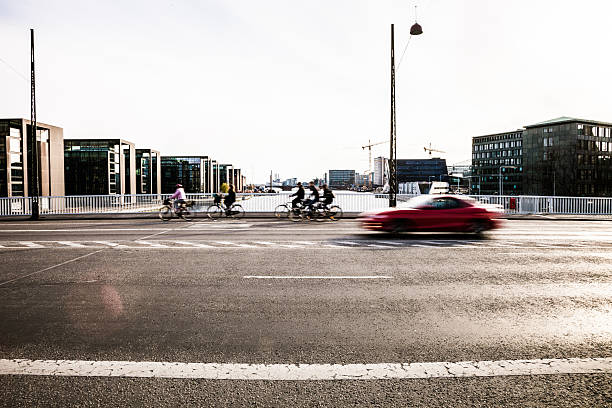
(328, 195)
(314, 195)
(230, 198)
(299, 195)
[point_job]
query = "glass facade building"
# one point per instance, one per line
(99, 166)
(148, 171)
(190, 171)
(490, 156)
(341, 178)
(568, 157)
(414, 170)
(16, 163)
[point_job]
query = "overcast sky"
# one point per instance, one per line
(298, 87)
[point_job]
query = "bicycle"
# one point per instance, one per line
(318, 211)
(182, 211)
(216, 210)
(283, 210)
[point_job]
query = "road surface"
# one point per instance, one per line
(308, 314)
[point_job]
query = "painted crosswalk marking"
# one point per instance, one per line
(305, 372)
(71, 244)
(30, 244)
(301, 245)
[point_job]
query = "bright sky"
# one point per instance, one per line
(298, 87)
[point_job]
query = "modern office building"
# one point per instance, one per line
(341, 178)
(99, 167)
(190, 171)
(496, 157)
(563, 157)
(15, 165)
(414, 170)
(568, 157)
(148, 171)
(216, 176)
(381, 171)
(225, 173)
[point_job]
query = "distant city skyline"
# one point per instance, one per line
(297, 88)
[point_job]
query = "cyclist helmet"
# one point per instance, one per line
(179, 185)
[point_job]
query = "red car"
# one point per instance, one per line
(434, 213)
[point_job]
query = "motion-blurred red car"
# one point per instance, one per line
(434, 213)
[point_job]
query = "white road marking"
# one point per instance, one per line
(30, 244)
(305, 372)
(71, 244)
(315, 277)
(194, 244)
(110, 244)
(152, 244)
(236, 244)
(85, 230)
(50, 267)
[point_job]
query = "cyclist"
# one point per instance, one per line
(230, 198)
(178, 196)
(328, 196)
(314, 195)
(299, 195)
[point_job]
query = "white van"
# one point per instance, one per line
(438, 187)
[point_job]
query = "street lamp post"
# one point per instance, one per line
(34, 160)
(470, 178)
(393, 183)
(501, 184)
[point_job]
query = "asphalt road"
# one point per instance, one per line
(142, 290)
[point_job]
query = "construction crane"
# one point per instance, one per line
(430, 149)
(369, 147)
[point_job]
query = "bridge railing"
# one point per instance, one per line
(350, 202)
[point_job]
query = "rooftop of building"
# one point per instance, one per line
(510, 132)
(113, 139)
(567, 119)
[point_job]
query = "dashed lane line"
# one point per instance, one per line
(72, 244)
(305, 372)
(282, 244)
(194, 244)
(30, 244)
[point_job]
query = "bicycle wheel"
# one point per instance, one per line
(282, 211)
(214, 212)
(185, 214)
(335, 213)
(165, 213)
(236, 211)
(295, 215)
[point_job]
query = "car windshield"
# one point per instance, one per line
(418, 202)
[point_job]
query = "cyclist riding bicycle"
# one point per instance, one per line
(230, 198)
(179, 195)
(328, 196)
(314, 195)
(299, 195)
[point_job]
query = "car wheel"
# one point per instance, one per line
(397, 226)
(478, 226)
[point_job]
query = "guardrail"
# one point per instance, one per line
(350, 202)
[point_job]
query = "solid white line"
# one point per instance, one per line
(305, 372)
(50, 267)
(85, 230)
(314, 277)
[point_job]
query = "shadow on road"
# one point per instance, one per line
(424, 236)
